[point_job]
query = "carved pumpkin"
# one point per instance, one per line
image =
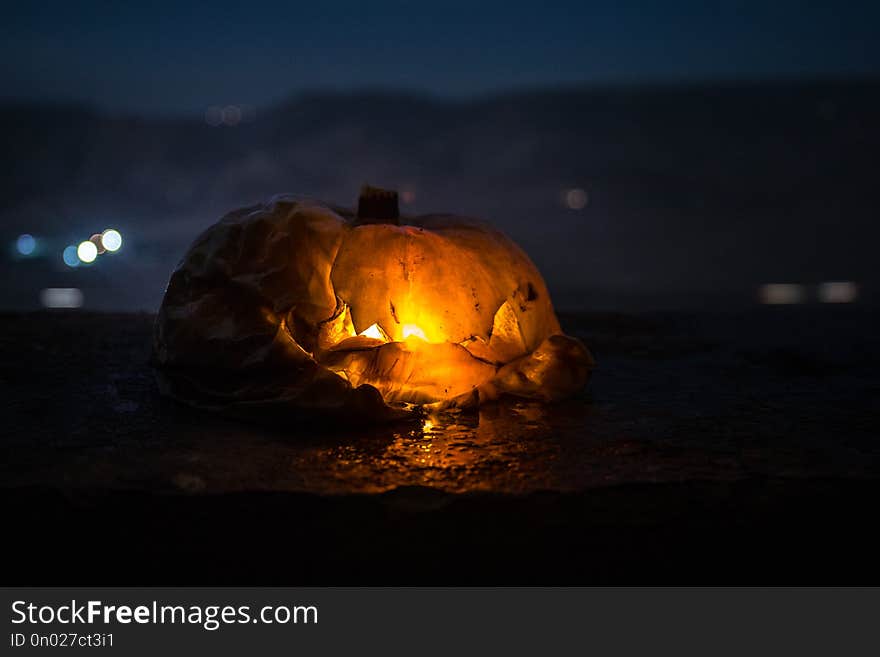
(298, 304)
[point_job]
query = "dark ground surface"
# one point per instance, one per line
(722, 448)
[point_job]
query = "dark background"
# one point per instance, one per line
(719, 146)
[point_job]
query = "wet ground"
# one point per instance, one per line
(700, 436)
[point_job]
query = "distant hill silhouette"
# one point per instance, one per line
(695, 194)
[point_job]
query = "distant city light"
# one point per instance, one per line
(231, 115)
(61, 297)
(576, 199)
(781, 293)
(248, 113)
(111, 239)
(25, 244)
(838, 292)
(96, 240)
(214, 115)
(87, 251)
(71, 259)
(408, 196)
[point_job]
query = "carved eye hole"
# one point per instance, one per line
(375, 332)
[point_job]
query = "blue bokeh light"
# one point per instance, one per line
(26, 244)
(71, 259)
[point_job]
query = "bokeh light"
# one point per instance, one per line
(576, 199)
(87, 251)
(61, 297)
(111, 239)
(96, 240)
(214, 115)
(248, 113)
(26, 244)
(71, 259)
(776, 294)
(231, 115)
(838, 292)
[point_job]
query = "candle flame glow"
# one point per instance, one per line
(411, 330)
(373, 331)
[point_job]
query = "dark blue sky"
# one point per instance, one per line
(182, 57)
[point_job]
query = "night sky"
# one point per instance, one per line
(175, 57)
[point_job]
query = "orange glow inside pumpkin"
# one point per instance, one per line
(413, 331)
(374, 332)
(413, 362)
(408, 333)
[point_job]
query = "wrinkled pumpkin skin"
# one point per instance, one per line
(262, 315)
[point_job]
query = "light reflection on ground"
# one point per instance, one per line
(503, 446)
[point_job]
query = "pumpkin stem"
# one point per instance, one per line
(377, 206)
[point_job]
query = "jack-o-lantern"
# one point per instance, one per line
(302, 305)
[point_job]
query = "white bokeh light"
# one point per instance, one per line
(61, 297)
(87, 251)
(111, 239)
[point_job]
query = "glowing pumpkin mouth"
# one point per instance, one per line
(409, 332)
(410, 369)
